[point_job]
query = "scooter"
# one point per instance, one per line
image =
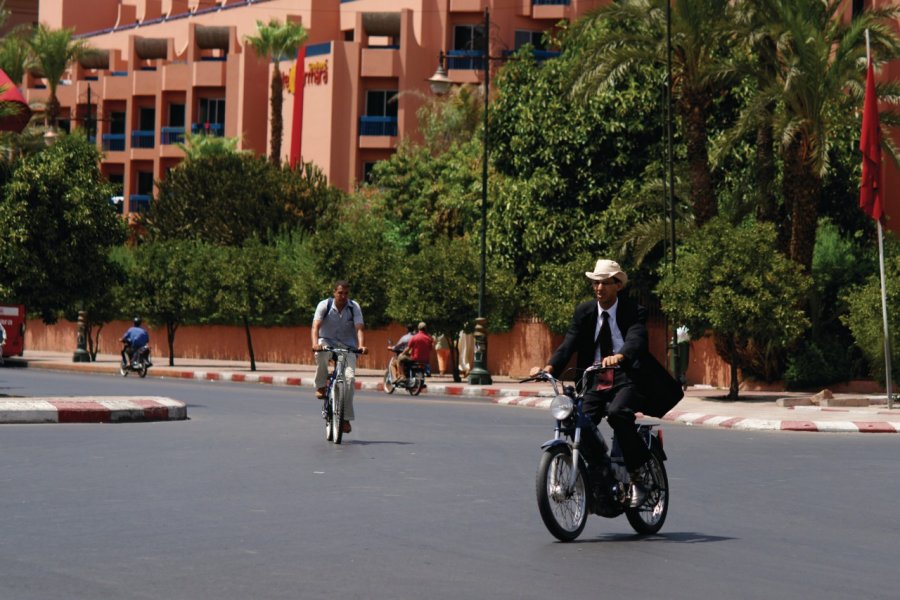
(572, 483)
(140, 362)
(415, 376)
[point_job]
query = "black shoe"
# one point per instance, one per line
(638, 494)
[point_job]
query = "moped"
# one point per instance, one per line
(572, 482)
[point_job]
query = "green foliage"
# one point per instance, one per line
(229, 198)
(440, 286)
(355, 249)
(197, 146)
(56, 229)
(254, 286)
(422, 196)
(865, 313)
(14, 56)
(52, 51)
(557, 289)
(733, 281)
(565, 158)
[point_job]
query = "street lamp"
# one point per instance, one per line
(440, 84)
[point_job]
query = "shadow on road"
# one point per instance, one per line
(679, 537)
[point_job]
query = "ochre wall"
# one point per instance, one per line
(512, 353)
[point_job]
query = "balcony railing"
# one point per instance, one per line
(214, 129)
(143, 139)
(552, 2)
(465, 59)
(139, 203)
(171, 135)
(378, 125)
(113, 142)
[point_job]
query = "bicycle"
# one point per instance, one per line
(336, 393)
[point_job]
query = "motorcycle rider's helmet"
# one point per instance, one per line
(137, 321)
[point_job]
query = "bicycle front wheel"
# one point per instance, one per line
(338, 394)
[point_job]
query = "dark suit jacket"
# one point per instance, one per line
(660, 391)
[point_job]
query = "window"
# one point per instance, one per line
(212, 110)
(858, 7)
(367, 171)
(147, 119)
(176, 115)
(145, 183)
(381, 103)
(535, 38)
(468, 37)
(117, 122)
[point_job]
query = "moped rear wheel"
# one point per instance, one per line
(338, 393)
(142, 370)
(563, 511)
(416, 380)
(650, 516)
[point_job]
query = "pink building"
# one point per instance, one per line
(172, 66)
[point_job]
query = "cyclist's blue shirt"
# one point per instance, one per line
(136, 337)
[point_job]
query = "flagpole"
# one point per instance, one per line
(884, 310)
(884, 315)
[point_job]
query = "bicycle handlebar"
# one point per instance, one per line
(345, 350)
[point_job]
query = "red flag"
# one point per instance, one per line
(870, 190)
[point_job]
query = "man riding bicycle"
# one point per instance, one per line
(338, 322)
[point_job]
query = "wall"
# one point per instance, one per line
(512, 353)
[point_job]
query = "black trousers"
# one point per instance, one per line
(619, 404)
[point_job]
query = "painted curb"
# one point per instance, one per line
(99, 409)
(742, 423)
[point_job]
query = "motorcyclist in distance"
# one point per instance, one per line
(134, 339)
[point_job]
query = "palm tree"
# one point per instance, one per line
(813, 82)
(52, 51)
(277, 41)
(702, 34)
(14, 56)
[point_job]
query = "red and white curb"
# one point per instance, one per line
(743, 423)
(110, 409)
(746, 423)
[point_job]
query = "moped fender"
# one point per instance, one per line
(554, 442)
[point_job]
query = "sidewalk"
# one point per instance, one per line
(702, 406)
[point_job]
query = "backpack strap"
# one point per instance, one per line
(349, 303)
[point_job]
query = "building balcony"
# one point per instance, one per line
(139, 203)
(467, 5)
(209, 73)
(380, 62)
(113, 142)
(143, 139)
(378, 126)
(171, 135)
(465, 60)
(551, 9)
(213, 129)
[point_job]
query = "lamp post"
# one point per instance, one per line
(440, 83)
(676, 363)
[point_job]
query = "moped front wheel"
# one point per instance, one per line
(388, 381)
(649, 517)
(563, 510)
(123, 369)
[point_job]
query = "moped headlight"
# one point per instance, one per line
(561, 407)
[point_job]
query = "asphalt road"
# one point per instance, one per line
(428, 498)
